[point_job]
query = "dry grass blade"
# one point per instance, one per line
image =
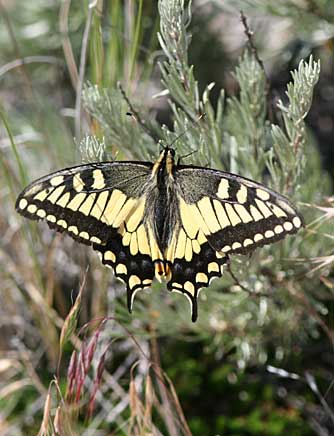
(149, 399)
(29, 60)
(45, 426)
(71, 320)
(82, 67)
(66, 42)
(185, 428)
(15, 386)
(167, 409)
(313, 385)
(136, 407)
(58, 422)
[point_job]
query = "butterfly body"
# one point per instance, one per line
(160, 220)
(161, 194)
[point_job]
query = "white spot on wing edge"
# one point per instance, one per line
(62, 223)
(84, 235)
(32, 208)
(201, 277)
(213, 267)
(23, 203)
(247, 242)
(134, 280)
(41, 213)
(96, 240)
(110, 255)
(74, 230)
(258, 237)
(51, 218)
(288, 226)
(278, 229)
(297, 222)
(189, 287)
(121, 269)
(269, 234)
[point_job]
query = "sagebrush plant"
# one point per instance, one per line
(239, 139)
(273, 297)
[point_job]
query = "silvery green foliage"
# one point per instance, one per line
(93, 150)
(289, 141)
(110, 109)
(246, 127)
(204, 137)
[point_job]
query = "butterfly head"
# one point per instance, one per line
(165, 162)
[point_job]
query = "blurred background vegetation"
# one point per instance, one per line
(259, 361)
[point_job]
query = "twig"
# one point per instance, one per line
(249, 34)
(82, 67)
(29, 60)
(66, 43)
(310, 380)
(237, 282)
(136, 115)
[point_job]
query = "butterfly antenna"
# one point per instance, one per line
(193, 123)
(135, 115)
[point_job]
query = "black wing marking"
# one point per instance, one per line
(189, 277)
(136, 270)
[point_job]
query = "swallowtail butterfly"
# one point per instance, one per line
(160, 220)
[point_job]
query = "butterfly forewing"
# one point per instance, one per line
(84, 201)
(235, 214)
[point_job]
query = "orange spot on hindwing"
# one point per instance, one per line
(162, 270)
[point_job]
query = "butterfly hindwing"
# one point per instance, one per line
(189, 277)
(131, 262)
